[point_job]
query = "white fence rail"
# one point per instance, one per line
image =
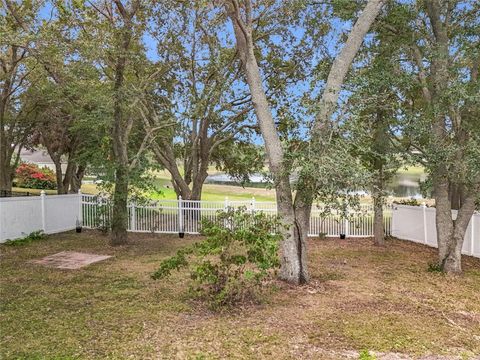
(417, 223)
(174, 216)
(20, 216)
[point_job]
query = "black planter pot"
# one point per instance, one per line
(78, 229)
(342, 236)
(181, 235)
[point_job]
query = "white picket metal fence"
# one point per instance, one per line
(174, 216)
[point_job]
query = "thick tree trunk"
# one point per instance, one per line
(456, 193)
(292, 267)
(293, 259)
(5, 178)
(6, 173)
(59, 176)
(303, 207)
(380, 149)
(120, 210)
(450, 228)
(67, 178)
(121, 130)
(448, 195)
(378, 226)
(76, 180)
(120, 202)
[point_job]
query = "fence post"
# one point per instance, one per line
(133, 218)
(80, 207)
(347, 223)
(252, 205)
(42, 199)
(392, 229)
(225, 208)
(424, 210)
(181, 231)
(472, 242)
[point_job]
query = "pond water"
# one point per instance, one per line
(402, 185)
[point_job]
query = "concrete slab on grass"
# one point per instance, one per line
(70, 260)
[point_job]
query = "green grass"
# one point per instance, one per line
(214, 192)
(33, 191)
(211, 192)
(412, 170)
(360, 297)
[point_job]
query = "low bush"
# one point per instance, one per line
(32, 177)
(434, 267)
(34, 236)
(229, 266)
(409, 202)
(365, 355)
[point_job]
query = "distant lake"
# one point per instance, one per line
(402, 185)
(406, 185)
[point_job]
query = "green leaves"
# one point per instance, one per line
(239, 251)
(173, 263)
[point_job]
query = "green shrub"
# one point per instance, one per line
(103, 216)
(32, 177)
(365, 355)
(434, 267)
(228, 267)
(34, 236)
(409, 202)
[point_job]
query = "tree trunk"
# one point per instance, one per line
(76, 180)
(59, 176)
(292, 268)
(342, 62)
(120, 210)
(448, 195)
(303, 208)
(121, 131)
(378, 226)
(456, 193)
(380, 149)
(6, 171)
(5, 178)
(293, 259)
(450, 232)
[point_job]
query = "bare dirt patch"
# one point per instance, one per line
(70, 260)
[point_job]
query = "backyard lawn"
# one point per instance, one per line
(360, 298)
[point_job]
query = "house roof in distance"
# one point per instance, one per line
(36, 156)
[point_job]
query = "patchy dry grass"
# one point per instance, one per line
(360, 297)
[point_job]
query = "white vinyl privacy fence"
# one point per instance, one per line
(176, 216)
(417, 223)
(20, 216)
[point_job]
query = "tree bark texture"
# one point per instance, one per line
(294, 214)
